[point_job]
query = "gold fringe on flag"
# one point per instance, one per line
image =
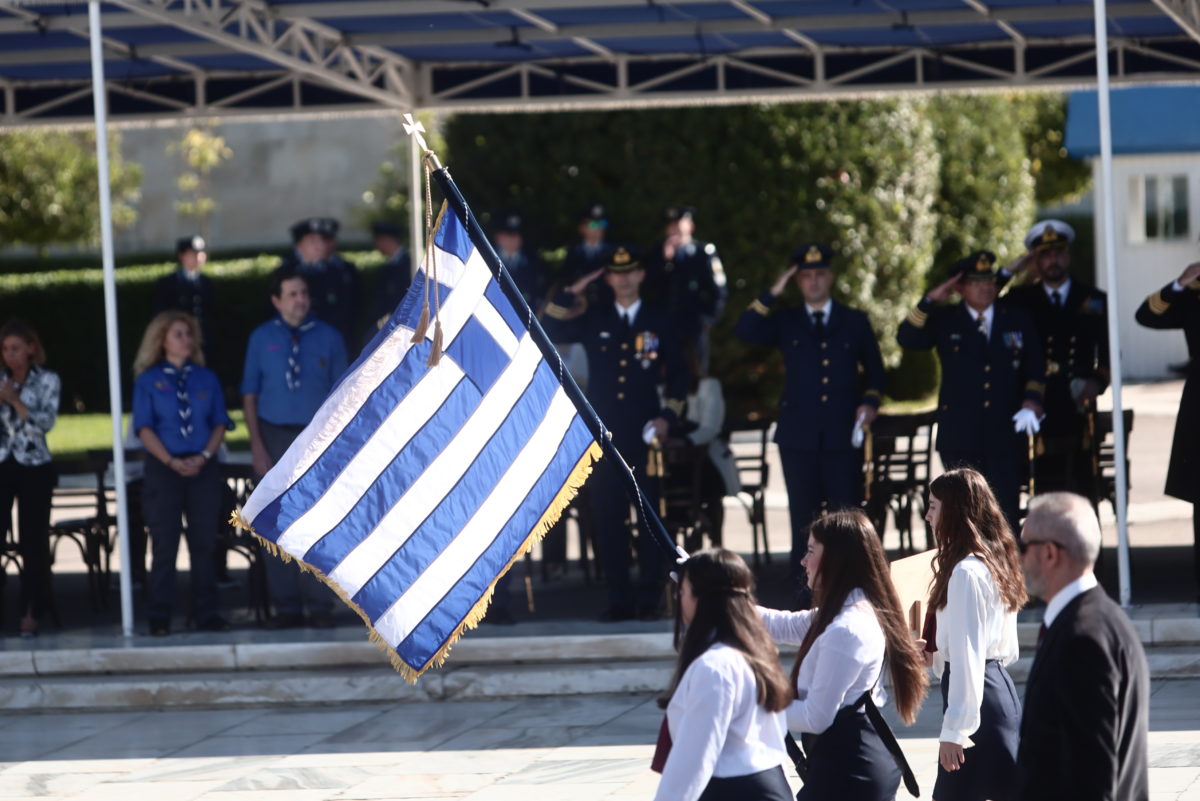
(562, 499)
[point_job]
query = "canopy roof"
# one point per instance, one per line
(169, 58)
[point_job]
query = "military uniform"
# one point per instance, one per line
(190, 292)
(334, 286)
(832, 369)
(1170, 308)
(984, 382)
(690, 286)
(626, 362)
(395, 277)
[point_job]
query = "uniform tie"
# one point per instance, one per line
(981, 324)
(819, 323)
(1056, 299)
(185, 403)
(1041, 633)
(626, 322)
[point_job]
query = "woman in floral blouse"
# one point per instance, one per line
(28, 409)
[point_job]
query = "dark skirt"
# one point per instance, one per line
(990, 767)
(767, 785)
(849, 762)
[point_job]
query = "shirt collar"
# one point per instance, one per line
(988, 314)
(308, 323)
(828, 307)
(630, 312)
(1067, 594)
(1062, 290)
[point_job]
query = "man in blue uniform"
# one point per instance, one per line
(188, 289)
(993, 376)
(395, 276)
(590, 253)
(835, 381)
(526, 269)
(333, 282)
(1071, 320)
(292, 363)
(631, 347)
(685, 276)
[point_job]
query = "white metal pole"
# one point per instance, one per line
(110, 313)
(1108, 225)
(416, 201)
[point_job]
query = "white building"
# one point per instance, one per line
(1156, 183)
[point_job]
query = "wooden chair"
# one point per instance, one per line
(754, 474)
(897, 458)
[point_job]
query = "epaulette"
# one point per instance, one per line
(1157, 304)
(917, 318)
(760, 307)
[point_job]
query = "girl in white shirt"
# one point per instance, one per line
(855, 630)
(724, 705)
(976, 591)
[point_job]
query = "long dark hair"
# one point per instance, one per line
(725, 613)
(853, 559)
(971, 523)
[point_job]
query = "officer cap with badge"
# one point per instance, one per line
(812, 256)
(676, 212)
(311, 225)
(510, 223)
(187, 243)
(594, 216)
(1049, 234)
(979, 266)
(622, 261)
(384, 228)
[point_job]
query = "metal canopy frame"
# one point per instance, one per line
(298, 57)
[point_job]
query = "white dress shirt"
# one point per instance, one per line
(845, 661)
(1062, 292)
(989, 314)
(825, 311)
(717, 726)
(973, 627)
(1067, 594)
(630, 312)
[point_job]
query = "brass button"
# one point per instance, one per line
(1050, 339)
(795, 342)
(1072, 339)
(603, 348)
(620, 379)
(624, 346)
(825, 380)
(824, 398)
(987, 368)
(623, 362)
(945, 406)
(987, 385)
(620, 396)
(987, 404)
(824, 362)
(824, 345)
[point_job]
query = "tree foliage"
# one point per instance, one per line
(1042, 120)
(387, 199)
(202, 152)
(48, 188)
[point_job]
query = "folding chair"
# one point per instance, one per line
(754, 473)
(897, 458)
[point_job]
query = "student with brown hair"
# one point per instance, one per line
(976, 592)
(854, 632)
(724, 705)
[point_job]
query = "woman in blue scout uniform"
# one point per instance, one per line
(29, 395)
(1071, 320)
(976, 594)
(179, 415)
(835, 377)
(1177, 306)
(993, 376)
(631, 347)
(724, 705)
(855, 631)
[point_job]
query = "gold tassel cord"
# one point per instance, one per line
(562, 499)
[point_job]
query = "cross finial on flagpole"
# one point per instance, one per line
(414, 128)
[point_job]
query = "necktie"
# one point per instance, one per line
(1041, 633)
(626, 323)
(819, 323)
(1056, 299)
(181, 396)
(981, 323)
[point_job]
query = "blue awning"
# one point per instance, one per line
(1157, 119)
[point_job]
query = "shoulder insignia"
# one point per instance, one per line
(1157, 304)
(917, 318)
(760, 307)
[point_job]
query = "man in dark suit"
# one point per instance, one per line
(1087, 699)
(993, 376)
(188, 289)
(1177, 306)
(631, 348)
(1071, 320)
(825, 346)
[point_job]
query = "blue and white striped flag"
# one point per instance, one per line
(415, 488)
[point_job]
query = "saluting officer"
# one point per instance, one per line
(1177, 305)
(188, 289)
(825, 345)
(685, 276)
(993, 375)
(333, 282)
(1071, 320)
(631, 347)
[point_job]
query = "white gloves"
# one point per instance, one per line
(1026, 422)
(859, 433)
(648, 432)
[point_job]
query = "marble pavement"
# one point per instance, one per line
(573, 749)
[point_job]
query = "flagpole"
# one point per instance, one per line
(646, 513)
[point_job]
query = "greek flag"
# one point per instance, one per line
(415, 488)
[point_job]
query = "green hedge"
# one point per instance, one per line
(67, 309)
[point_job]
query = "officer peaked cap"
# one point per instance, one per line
(622, 261)
(309, 225)
(594, 213)
(675, 213)
(510, 223)
(980, 264)
(1049, 234)
(187, 243)
(812, 255)
(384, 228)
